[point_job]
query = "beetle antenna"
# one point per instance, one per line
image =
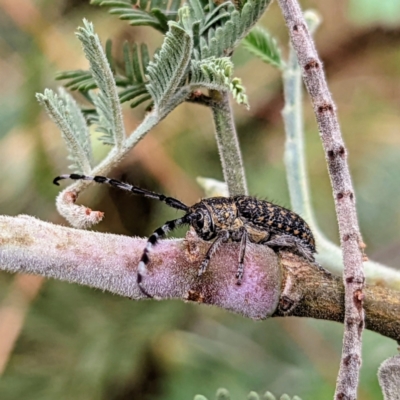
(152, 241)
(170, 201)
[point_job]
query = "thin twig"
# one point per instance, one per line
(228, 144)
(289, 286)
(329, 254)
(336, 157)
(295, 163)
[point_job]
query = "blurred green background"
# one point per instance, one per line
(62, 341)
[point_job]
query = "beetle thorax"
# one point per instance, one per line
(214, 215)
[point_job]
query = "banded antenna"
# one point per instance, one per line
(169, 201)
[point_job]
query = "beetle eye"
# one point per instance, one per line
(200, 220)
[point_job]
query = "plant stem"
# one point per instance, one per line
(343, 191)
(83, 217)
(330, 255)
(109, 262)
(228, 144)
(294, 157)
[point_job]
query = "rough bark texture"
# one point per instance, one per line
(308, 291)
(336, 157)
(277, 286)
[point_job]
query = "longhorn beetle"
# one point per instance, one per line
(219, 219)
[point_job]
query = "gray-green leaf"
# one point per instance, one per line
(263, 45)
(65, 112)
(169, 66)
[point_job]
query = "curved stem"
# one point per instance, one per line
(83, 217)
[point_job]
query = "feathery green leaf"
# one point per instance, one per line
(65, 112)
(262, 44)
(154, 13)
(222, 27)
(109, 113)
(216, 73)
(169, 66)
(141, 99)
(77, 80)
(130, 76)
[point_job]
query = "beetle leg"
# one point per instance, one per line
(292, 243)
(222, 237)
(242, 251)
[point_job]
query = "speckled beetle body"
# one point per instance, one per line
(221, 219)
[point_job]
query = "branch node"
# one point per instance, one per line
(194, 295)
(297, 26)
(312, 64)
(286, 305)
(325, 107)
(332, 154)
(358, 299)
(291, 296)
(347, 193)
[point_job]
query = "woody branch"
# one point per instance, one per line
(271, 286)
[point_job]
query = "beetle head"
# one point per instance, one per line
(202, 222)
